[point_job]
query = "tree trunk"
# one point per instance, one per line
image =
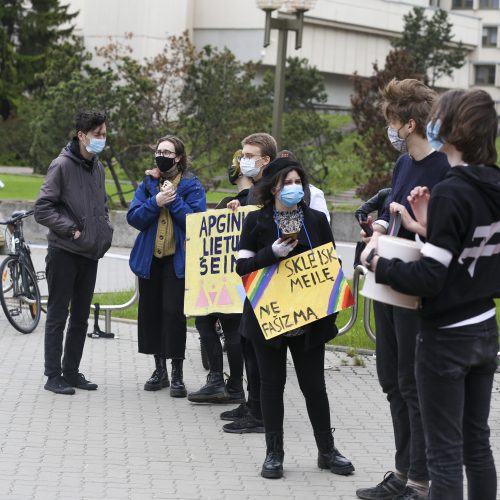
(123, 164)
(118, 185)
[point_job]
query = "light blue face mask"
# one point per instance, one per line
(95, 146)
(432, 133)
(291, 195)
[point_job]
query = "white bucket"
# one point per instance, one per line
(391, 247)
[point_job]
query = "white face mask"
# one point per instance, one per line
(248, 168)
(396, 141)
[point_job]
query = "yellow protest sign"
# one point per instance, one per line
(298, 290)
(212, 240)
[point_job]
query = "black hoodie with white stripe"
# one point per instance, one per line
(459, 272)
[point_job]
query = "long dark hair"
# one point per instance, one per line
(180, 150)
(263, 189)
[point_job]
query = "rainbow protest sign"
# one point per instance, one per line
(298, 291)
(212, 240)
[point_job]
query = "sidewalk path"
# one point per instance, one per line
(121, 442)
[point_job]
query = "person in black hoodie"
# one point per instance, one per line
(281, 191)
(72, 204)
(457, 278)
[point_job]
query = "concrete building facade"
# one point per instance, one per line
(340, 36)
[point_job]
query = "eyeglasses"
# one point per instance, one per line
(248, 157)
(165, 152)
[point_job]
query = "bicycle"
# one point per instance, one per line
(20, 295)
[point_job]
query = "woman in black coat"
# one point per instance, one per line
(280, 192)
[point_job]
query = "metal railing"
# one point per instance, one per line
(108, 308)
(358, 272)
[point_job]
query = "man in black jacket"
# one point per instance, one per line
(72, 204)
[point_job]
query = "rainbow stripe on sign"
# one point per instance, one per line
(255, 283)
(341, 296)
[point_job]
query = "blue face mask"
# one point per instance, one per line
(432, 132)
(291, 195)
(95, 146)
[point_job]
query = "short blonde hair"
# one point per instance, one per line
(266, 143)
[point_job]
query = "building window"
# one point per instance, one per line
(490, 36)
(485, 74)
(462, 4)
(489, 4)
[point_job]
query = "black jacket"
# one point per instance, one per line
(459, 272)
(73, 197)
(258, 234)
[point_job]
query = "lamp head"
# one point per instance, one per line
(269, 4)
(299, 5)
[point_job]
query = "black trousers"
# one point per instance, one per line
(310, 370)
(211, 341)
(161, 323)
(454, 369)
(253, 377)
(71, 280)
(397, 330)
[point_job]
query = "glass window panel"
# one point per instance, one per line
(485, 74)
(489, 4)
(462, 4)
(489, 38)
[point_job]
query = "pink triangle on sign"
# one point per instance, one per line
(202, 299)
(212, 296)
(224, 297)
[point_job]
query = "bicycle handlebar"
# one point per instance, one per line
(17, 217)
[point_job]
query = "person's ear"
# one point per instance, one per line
(412, 125)
(266, 161)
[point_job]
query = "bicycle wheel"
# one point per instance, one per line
(20, 295)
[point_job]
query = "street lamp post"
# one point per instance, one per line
(283, 25)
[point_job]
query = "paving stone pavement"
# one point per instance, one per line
(121, 442)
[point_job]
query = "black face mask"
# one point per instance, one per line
(164, 164)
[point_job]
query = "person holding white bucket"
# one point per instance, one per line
(457, 278)
(406, 106)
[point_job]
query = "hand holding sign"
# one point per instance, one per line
(298, 291)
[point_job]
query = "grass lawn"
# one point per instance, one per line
(355, 338)
(26, 187)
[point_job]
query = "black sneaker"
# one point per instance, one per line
(58, 385)
(235, 392)
(410, 493)
(245, 425)
(388, 489)
(236, 414)
(80, 382)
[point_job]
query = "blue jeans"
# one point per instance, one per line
(454, 371)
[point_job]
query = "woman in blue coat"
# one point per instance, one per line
(167, 194)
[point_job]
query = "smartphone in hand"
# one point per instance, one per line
(365, 226)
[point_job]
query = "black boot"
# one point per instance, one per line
(234, 390)
(329, 457)
(159, 378)
(272, 468)
(177, 387)
(214, 391)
